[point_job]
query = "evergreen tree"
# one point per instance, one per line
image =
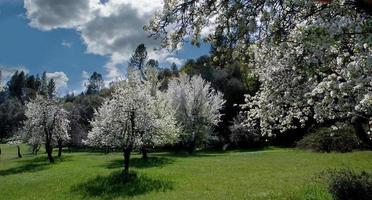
(16, 84)
(44, 84)
(51, 89)
(95, 83)
(138, 59)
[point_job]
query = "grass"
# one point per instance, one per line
(267, 174)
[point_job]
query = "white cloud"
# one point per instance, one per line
(85, 74)
(175, 60)
(8, 71)
(66, 44)
(111, 28)
(60, 78)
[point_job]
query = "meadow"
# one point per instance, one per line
(272, 173)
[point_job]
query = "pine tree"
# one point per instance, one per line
(95, 83)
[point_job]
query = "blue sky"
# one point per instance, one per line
(68, 47)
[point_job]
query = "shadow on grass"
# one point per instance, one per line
(33, 165)
(119, 185)
(140, 163)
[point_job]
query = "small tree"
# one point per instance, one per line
(198, 107)
(46, 118)
(17, 140)
(131, 118)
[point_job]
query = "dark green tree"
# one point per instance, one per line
(95, 84)
(51, 89)
(138, 59)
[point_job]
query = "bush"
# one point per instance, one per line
(242, 137)
(347, 185)
(330, 139)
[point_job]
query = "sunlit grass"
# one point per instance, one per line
(266, 174)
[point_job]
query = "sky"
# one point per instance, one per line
(71, 39)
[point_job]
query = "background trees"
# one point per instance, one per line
(197, 107)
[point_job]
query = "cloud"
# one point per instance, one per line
(111, 28)
(175, 60)
(66, 44)
(52, 14)
(8, 71)
(60, 78)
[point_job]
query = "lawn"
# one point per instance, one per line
(273, 173)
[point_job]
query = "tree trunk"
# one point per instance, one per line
(49, 151)
(0, 150)
(127, 152)
(19, 152)
(144, 153)
(357, 123)
(59, 148)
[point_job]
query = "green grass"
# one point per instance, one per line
(267, 174)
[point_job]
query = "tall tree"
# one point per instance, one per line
(197, 107)
(16, 85)
(131, 118)
(138, 59)
(44, 84)
(51, 88)
(95, 83)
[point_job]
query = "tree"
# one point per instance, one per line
(138, 59)
(132, 118)
(197, 107)
(318, 76)
(44, 84)
(95, 84)
(16, 85)
(51, 88)
(46, 118)
(233, 25)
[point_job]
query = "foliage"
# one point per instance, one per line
(330, 139)
(346, 184)
(46, 123)
(95, 84)
(243, 137)
(197, 107)
(136, 115)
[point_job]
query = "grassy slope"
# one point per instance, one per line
(269, 174)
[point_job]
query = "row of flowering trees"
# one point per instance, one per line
(313, 58)
(137, 116)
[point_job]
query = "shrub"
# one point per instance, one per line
(330, 139)
(348, 185)
(242, 137)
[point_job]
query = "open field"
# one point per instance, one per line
(268, 174)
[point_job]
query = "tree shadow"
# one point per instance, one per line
(141, 163)
(33, 165)
(119, 185)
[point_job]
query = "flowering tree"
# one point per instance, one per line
(198, 107)
(312, 57)
(46, 122)
(133, 118)
(320, 74)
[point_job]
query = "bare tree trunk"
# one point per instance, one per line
(144, 153)
(59, 148)
(49, 151)
(127, 152)
(357, 123)
(19, 152)
(0, 150)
